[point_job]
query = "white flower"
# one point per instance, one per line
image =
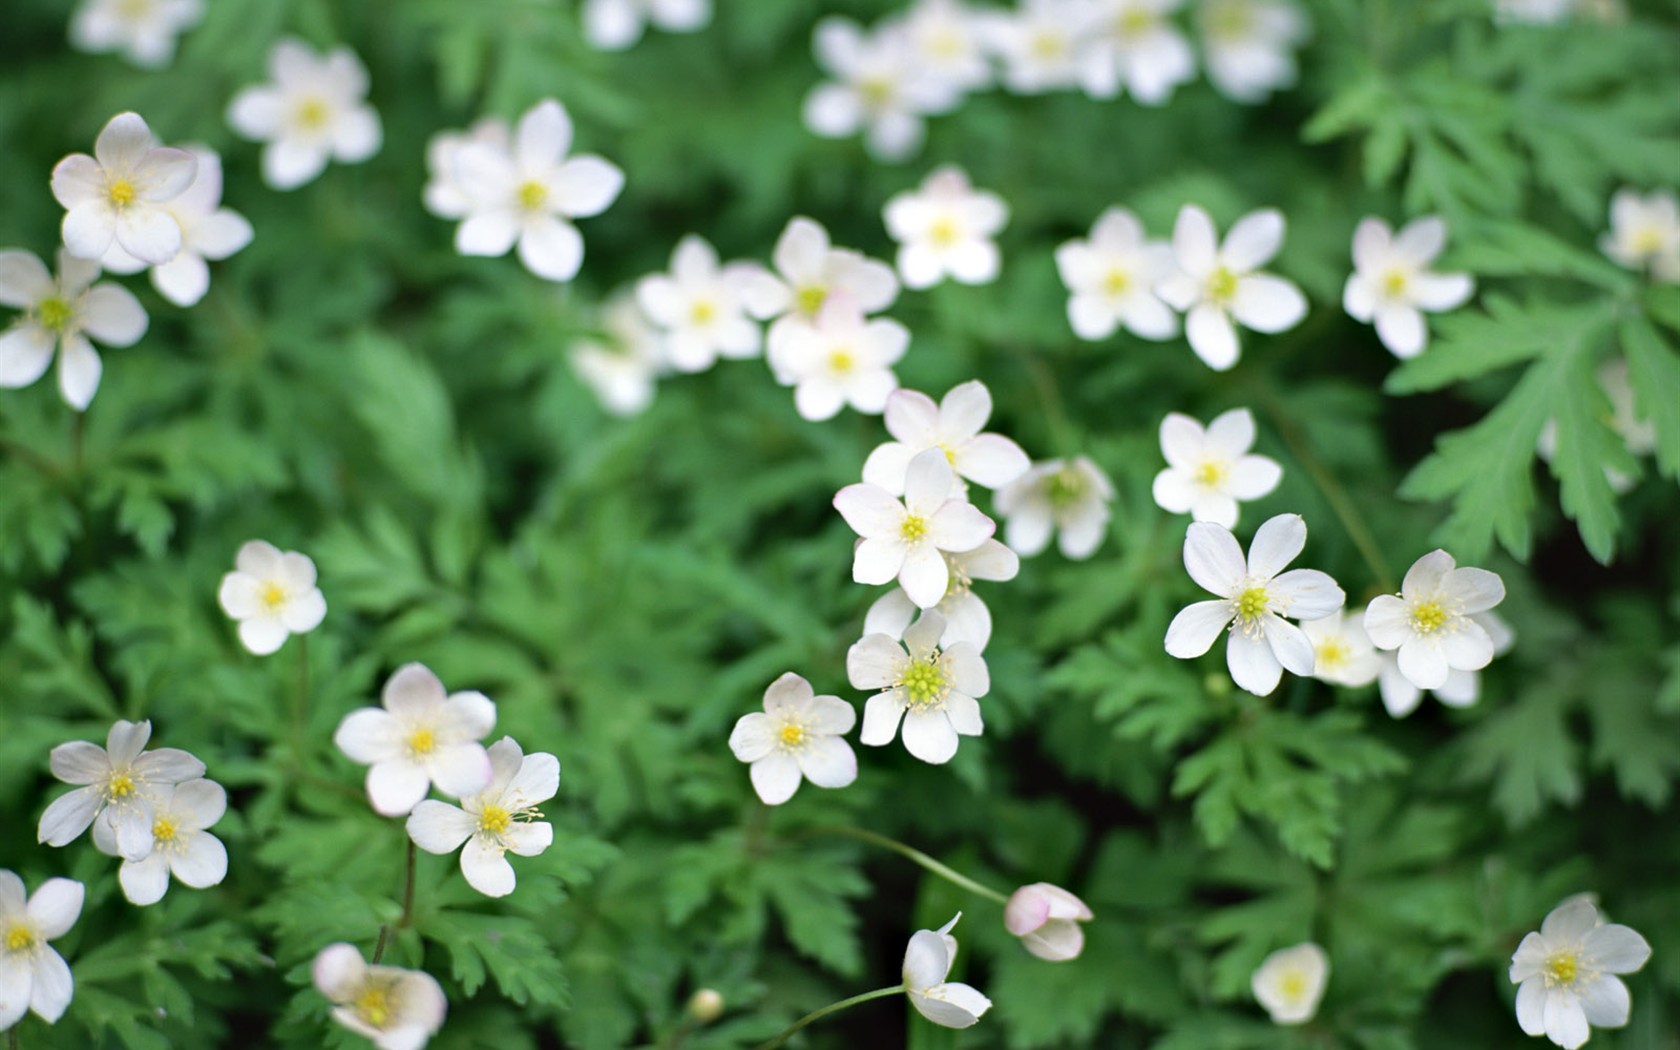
(421, 737)
(1538, 12)
(933, 689)
(32, 975)
(613, 25)
(398, 1009)
(703, 307)
(1625, 419)
(208, 231)
(903, 540)
(1342, 654)
(927, 964)
(62, 313)
(1566, 973)
(1290, 982)
(881, 88)
(966, 617)
(180, 844)
(444, 195)
(1250, 45)
(313, 110)
(1645, 233)
(1393, 285)
(272, 595)
(1048, 45)
(944, 36)
(622, 368)
(529, 193)
(1046, 918)
(143, 30)
(1111, 280)
(1461, 688)
(842, 359)
(118, 193)
(1254, 596)
(953, 426)
(1218, 282)
(1143, 50)
(1430, 621)
(945, 229)
(119, 788)
(1071, 496)
(1210, 470)
(810, 272)
(503, 817)
(799, 735)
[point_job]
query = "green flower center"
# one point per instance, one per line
(1067, 487)
(54, 313)
(923, 683)
(1253, 603)
(810, 298)
(1221, 286)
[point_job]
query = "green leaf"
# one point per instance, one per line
(1654, 375)
(509, 949)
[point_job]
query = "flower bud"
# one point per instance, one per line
(705, 1005)
(1047, 918)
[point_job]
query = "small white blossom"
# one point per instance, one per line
(1565, 973)
(1290, 982)
(33, 976)
(1430, 621)
(500, 819)
(933, 689)
(119, 785)
(622, 367)
(419, 737)
(1048, 45)
(1111, 280)
(117, 195)
(927, 963)
(1046, 918)
(396, 1008)
(904, 540)
(62, 314)
(945, 228)
(614, 25)
(445, 196)
(1218, 282)
(143, 30)
(703, 306)
(798, 736)
(842, 359)
(881, 87)
(1393, 285)
(1255, 595)
(945, 38)
(1626, 420)
(1342, 654)
(1069, 497)
(208, 232)
(966, 617)
(1250, 45)
(1461, 688)
(810, 272)
(1141, 50)
(314, 109)
(180, 844)
(1209, 470)
(272, 595)
(1645, 233)
(953, 426)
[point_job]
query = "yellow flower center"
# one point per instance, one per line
(1293, 985)
(164, 830)
(121, 192)
(273, 595)
(1230, 20)
(312, 114)
(134, 10)
(422, 742)
(54, 313)
(1333, 653)
(923, 683)
(1253, 603)
(1561, 968)
(945, 231)
(945, 43)
(877, 92)
(1117, 282)
(703, 312)
(20, 938)
(1211, 473)
(792, 735)
(1221, 286)
(1066, 488)
(374, 1005)
(494, 819)
(532, 195)
(1647, 240)
(119, 786)
(913, 528)
(1428, 617)
(841, 361)
(1048, 44)
(1394, 283)
(810, 298)
(1135, 22)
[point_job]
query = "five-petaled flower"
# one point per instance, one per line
(33, 976)
(1566, 973)
(903, 540)
(952, 426)
(117, 195)
(1210, 469)
(396, 1008)
(1431, 621)
(799, 735)
(881, 88)
(944, 228)
(1393, 285)
(500, 819)
(180, 844)
(119, 785)
(1068, 497)
(273, 596)
(1250, 45)
(314, 110)
(1343, 655)
(208, 231)
(703, 306)
(1111, 280)
(1047, 919)
(931, 688)
(143, 30)
(421, 736)
(1218, 282)
(62, 313)
(843, 359)
(1290, 982)
(927, 965)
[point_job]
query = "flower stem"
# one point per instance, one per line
(11, 1038)
(816, 1015)
(300, 703)
(78, 427)
(919, 857)
(407, 911)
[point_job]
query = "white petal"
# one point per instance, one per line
(288, 163)
(953, 1005)
(182, 280)
(1291, 647)
(543, 135)
(55, 906)
(991, 460)
(551, 248)
(881, 713)
(1387, 622)
(338, 972)
(927, 960)
(1252, 663)
(79, 369)
(1252, 240)
(753, 737)
(1467, 649)
(488, 233)
(26, 352)
(460, 770)
(875, 662)
(1436, 292)
(24, 279)
(929, 736)
(1476, 590)
(1196, 627)
(1195, 241)
(870, 509)
(775, 777)
(1422, 662)
(1614, 948)
(1566, 1022)
(1401, 329)
(112, 315)
(1531, 1006)
(1277, 542)
(52, 986)
(1268, 304)
(1212, 337)
(200, 862)
(828, 762)
(1213, 559)
(1604, 1000)
(486, 868)
(586, 185)
(1308, 594)
(396, 786)
(262, 635)
(438, 827)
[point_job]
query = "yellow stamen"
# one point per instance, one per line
(532, 195)
(945, 231)
(1135, 22)
(1333, 653)
(121, 192)
(1253, 602)
(120, 785)
(703, 312)
(1231, 20)
(1117, 282)
(923, 683)
(877, 92)
(913, 528)
(792, 735)
(810, 298)
(1221, 286)
(841, 361)
(1647, 240)
(311, 114)
(494, 819)
(163, 829)
(1561, 969)
(1048, 44)
(1067, 487)
(1211, 473)
(1394, 283)
(422, 742)
(54, 313)
(374, 1005)
(20, 938)
(1293, 985)
(1428, 617)
(273, 595)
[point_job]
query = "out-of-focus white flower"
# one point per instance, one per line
(1539, 12)
(944, 228)
(117, 195)
(272, 595)
(62, 313)
(904, 540)
(1209, 470)
(943, 35)
(613, 25)
(799, 735)
(703, 306)
(33, 976)
(1048, 45)
(1250, 45)
(1111, 280)
(1393, 285)
(1255, 595)
(881, 87)
(966, 617)
(842, 359)
(528, 195)
(444, 195)
(396, 1008)
(208, 232)
(1069, 497)
(180, 844)
(314, 109)
(1046, 918)
(1290, 982)
(933, 689)
(1565, 973)
(1142, 51)
(143, 30)
(1343, 655)
(500, 819)
(419, 737)
(810, 272)
(1645, 233)
(1625, 419)
(118, 785)
(952, 426)
(1430, 622)
(622, 367)
(927, 964)
(1218, 282)
(1461, 688)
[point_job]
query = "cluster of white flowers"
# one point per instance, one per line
(613, 25)
(313, 110)
(1547, 12)
(145, 31)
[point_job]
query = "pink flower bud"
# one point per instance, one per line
(1046, 919)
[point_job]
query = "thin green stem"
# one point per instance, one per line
(300, 703)
(919, 857)
(407, 910)
(817, 1015)
(1050, 396)
(78, 429)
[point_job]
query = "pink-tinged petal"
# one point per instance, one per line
(357, 135)
(1268, 304)
(79, 762)
(1253, 239)
(51, 987)
(1212, 337)
(828, 762)
(1388, 622)
(870, 510)
(1277, 542)
(1213, 558)
(551, 248)
(929, 736)
(1252, 477)
(754, 736)
(339, 972)
(486, 869)
(875, 662)
(1401, 329)
(288, 163)
(395, 786)
(1531, 1005)
(1195, 241)
(1027, 910)
(1252, 663)
(26, 352)
(1056, 941)
(438, 827)
(881, 713)
(543, 136)
(1196, 627)
(490, 233)
(1422, 662)
(927, 960)
(167, 765)
(966, 670)
(830, 715)
(964, 712)
(1566, 1022)
(77, 179)
(928, 482)
(953, 1005)
(79, 369)
(913, 419)
(1370, 243)
(182, 280)
(1467, 649)
(201, 862)
(1427, 574)
(257, 113)
(924, 575)
(586, 186)
(112, 315)
(959, 527)
(1290, 645)
(164, 174)
(67, 816)
(991, 460)
(460, 770)
(1476, 590)
(878, 560)
(1306, 594)
(1436, 292)
(1421, 240)
(123, 143)
(262, 635)
(89, 229)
